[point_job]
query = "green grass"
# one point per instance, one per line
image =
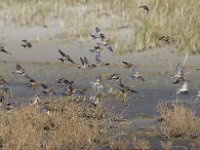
(78, 18)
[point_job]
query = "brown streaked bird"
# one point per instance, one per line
(65, 81)
(124, 88)
(47, 90)
(85, 64)
(2, 49)
(145, 7)
(165, 38)
(65, 57)
(32, 84)
(136, 74)
(26, 44)
(20, 71)
(113, 76)
(97, 49)
(127, 64)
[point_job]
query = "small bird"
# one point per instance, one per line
(97, 84)
(165, 38)
(183, 89)
(127, 64)
(97, 49)
(2, 49)
(85, 64)
(32, 84)
(2, 81)
(10, 106)
(65, 81)
(136, 74)
(98, 34)
(47, 90)
(179, 74)
(124, 88)
(65, 57)
(113, 76)
(107, 45)
(26, 44)
(20, 71)
(79, 97)
(99, 62)
(145, 7)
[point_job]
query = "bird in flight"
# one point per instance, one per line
(65, 57)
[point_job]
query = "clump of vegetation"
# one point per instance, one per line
(68, 125)
(178, 121)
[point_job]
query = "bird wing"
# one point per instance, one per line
(97, 58)
(70, 60)
(86, 60)
(82, 61)
(62, 53)
(109, 48)
(44, 86)
(134, 70)
(178, 69)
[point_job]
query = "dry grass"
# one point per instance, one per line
(141, 144)
(78, 18)
(178, 121)
(69, 126)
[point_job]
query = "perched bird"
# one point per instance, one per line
(145, 7)
(65, 81)
(32, 84)
(99, 62)
(97, 84)
(183, 89)
(47, 90)
(165, 38)
(127, 64)
(113, 76)
(136, 74)
(2, 49)
(26, 44)
(20, 71)
(65, 57)
(85, 64)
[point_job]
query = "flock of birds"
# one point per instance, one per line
(102, 43)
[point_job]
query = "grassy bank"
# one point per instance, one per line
(177, 20)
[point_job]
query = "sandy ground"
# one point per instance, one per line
(41, 63)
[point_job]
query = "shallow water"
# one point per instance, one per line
(41, 63)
